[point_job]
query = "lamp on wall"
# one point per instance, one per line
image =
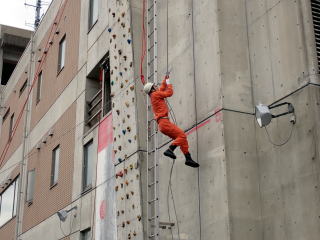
(62, 214)
(264, 115)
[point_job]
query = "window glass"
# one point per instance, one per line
(87, 165)
(30, 185)
(7, 204)
(39, 83)
(93, 12)
(55, 165)
(62, 53)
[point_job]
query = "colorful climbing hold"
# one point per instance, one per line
(132, 87)
(109, 29)
(124, 132)
(129, 41)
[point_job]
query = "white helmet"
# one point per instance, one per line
(147, 87)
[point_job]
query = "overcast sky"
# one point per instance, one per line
(15, 13)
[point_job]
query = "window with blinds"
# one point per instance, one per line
(315, 8)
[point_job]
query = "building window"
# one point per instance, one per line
(315, 8)
(11, 126)
(8, 202)
(39, 83)
(55, 166)
(30, 185)
(85, 234)
(5, 116)
(93, 12)
(23, 87)
(87, 166)
(62, 53)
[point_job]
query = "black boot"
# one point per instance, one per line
(189, 162)
(169, 152)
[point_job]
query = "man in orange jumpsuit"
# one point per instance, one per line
(160, 110)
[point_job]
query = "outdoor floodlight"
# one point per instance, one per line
(264, 116)
(62, 214)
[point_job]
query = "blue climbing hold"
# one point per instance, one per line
(120, 73)
(124, 132)
(129, 41)
(120, 160)
(129, 140)
(112, 83)
(109, 30)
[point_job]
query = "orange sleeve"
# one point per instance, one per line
(163, 85)
(168, 92)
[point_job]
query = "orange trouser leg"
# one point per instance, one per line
(174, 132)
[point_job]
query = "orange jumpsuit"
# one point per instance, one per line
(160, 110)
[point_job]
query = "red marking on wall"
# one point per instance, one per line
(218, 116)
(105, 133)
(103, 209)
(199, 126)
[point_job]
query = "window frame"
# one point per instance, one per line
(15, 184)
(28, 185)
(11, 126)
(23, 87)
(55, 164)
(39, 87)
(62, 53)
(85, 169)
(91, 21)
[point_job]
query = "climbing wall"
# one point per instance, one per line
(128, 203)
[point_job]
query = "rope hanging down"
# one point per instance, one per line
(143, 39)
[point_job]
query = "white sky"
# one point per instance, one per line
(15, 13)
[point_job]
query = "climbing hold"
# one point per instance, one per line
(118, 213)
(132, 99)
(133, 207)
(112, 82)
(126, 182)
(129, 129)
(129, 140)
(125, 156)
(119, 148)
(123, 224)
(120, 74)
(139, 218)
(125, 171)
(123, 25)
(121, 85)
(118, 112)
(127, 196)
(120, 160)
(115, 67)
(115, 57)
(121, 185)
(125, 58)
(134, 233)
(117, 188)
(122, 211)
(132, 193)
(113, 14)
(110, 40)
(124, 132)
(112, 94)
(129, 30)
(109, 30)
(132, 88)
(124, 36)
(125, 69)
(114, 36)
(130, 64)
(119, 174)
(119, 51)
(115, 151)
(114, 139)
(137, 176)
(118, 19)
(113, 105)
(127, 104)
(131, 166)
(123, 14)
(128, 222)
(129, 41)
(109, 9)
(123, 120)
(111, 72)
(128, 116)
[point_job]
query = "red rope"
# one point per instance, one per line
(143, 38)
(43, 57)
